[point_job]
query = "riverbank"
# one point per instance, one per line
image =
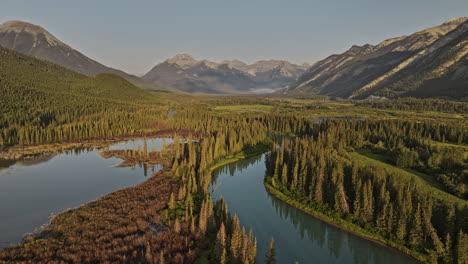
(111, 228)
(346, 225)
(132, 157)
(32, 151)
(258, 149)
(338, 223)
(125, 226)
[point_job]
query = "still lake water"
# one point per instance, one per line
(32, 190)
(298, 236)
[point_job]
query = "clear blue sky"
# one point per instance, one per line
(135, 35)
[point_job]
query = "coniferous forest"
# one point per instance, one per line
(392, 172)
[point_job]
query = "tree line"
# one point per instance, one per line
(416, 104)
(42, 103)
(316, 170)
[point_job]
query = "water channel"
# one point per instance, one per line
(298, 236)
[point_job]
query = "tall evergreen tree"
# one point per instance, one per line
(270, 257)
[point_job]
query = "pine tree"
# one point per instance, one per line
(415, 235)
(368, 201)
(252, 251)
(172, 202)
(270, 257)
(401, 227)
(462, 247)
(148, 253)
(220, 247)
(236, 239)
(295, 177)
(203, 219)
(448, 256)
(284, 175)
(177, 225)
(193, 227)
(318, 192)
(161, 258)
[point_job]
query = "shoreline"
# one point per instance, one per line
(262, 148)
(61, 219)
(241, 155)
(17, 152)
(332, 222)
(326, 219)
(50, 150)
(41, 231)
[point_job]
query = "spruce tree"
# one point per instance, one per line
(270, 257)
(220, 247)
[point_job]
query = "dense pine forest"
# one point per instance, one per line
(321, 171)
(394, 171)
(42, 103)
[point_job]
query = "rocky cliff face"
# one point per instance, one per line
(187, 74)
(405, 66)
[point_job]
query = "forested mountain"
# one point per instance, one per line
(429, 63)
(34, 40)
(43, 102)
(187, 74)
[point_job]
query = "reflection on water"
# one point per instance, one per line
(298, 236)
(32, 190)
(5, 164)
(40, 158)
(35, 161)
(152, 144)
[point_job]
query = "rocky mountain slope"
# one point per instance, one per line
(429, 63)
(34, 40)
(187, 74)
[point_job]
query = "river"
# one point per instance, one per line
(298, 236)
(33, 190)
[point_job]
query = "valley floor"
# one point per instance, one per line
(315, 142)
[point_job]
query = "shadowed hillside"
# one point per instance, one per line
(44, 102)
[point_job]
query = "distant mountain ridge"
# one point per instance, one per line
(187, 74)
(34, 40)
(428, 63)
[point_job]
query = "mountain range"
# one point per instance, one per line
(182, 72)
(428, 63)
(187, 74)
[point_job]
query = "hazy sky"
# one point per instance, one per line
(135, 35)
